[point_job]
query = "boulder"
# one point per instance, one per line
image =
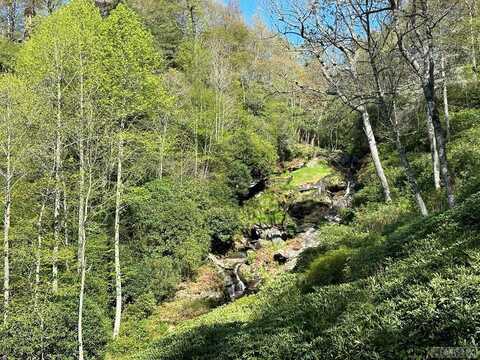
(267, 232)
(289, 256)
(280, 258)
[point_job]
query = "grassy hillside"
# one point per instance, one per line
(415, 288)
(383, 284)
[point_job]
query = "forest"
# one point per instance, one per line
(181, 181)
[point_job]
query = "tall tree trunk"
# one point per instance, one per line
(367, 127)
(473, 38)
(432, 110)
(81, 156)
(398, 140)
(118, 275)
(406, 165)
(196, 145)
(56, 217)
(38, 261)
(81, 209)
(82, 216)
(82, 292)
(372, 143)
(38, 251)
(56, 203)
(445, 99)
(433, 151)
(427, 76)
(6, 232)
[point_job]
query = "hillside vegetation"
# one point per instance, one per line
(180, 180)
(383, 284)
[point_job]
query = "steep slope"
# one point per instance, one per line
(415, 290)
(280, 223)
(382, 284)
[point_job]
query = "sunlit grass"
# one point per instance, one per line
(309, 174)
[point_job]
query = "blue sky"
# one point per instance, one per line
(249, 7)
(254, 8)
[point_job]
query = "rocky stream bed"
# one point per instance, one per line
(312, 204)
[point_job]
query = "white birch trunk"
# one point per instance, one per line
(118, 275)
(56, 216)
(6, 232)
(445, 98)
(372, 143)
(82, 294)
(57, 165)
(81, 245)
(83, 262)
(38, 260)
(433, 152)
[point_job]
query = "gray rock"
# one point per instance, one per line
(267, 232)
(289, 256)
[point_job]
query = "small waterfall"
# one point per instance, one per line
(230, 270)
(239, 284)
(235, 286)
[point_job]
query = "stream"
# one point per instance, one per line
(320, 203)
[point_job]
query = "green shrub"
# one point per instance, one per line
(23, 336)
(239, 177)
(168, 217)
(303, 151)
(263, 209)
(464, 120)
(224, 223)
(157, 274)
(328, 268)
(336, 236)
(376, 216)
(143, 307)
(171, 227)
(252, 150)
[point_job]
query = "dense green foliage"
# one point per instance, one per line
(418, 291)
(192, 132)
(139, 140)
(384, 284)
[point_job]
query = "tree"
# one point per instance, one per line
(367, 24)
(329, 40)
(130, 63)
(60, 63)
(16, 121)
(415, 25)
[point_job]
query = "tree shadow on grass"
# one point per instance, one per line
(420, 302)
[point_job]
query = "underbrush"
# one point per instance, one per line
(422, 293)
(384, 284)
